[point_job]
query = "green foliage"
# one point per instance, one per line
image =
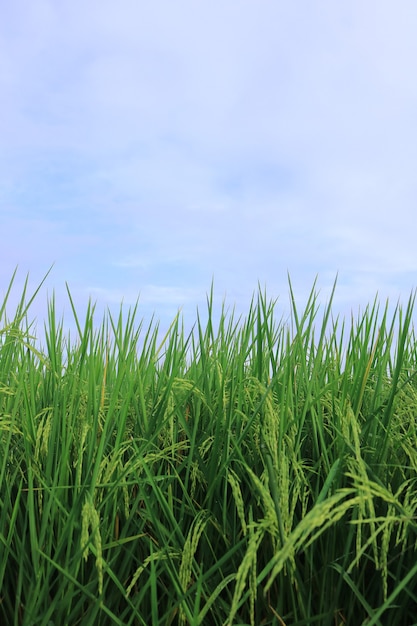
(253, 472)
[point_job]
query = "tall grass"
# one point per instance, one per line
(252, 472)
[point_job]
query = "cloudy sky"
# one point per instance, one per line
(148, 148)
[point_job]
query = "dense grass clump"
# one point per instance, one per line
(253, 472)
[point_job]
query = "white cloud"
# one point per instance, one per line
(173, 142)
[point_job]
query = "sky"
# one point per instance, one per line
(150, 149)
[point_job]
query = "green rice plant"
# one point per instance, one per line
(253, 471)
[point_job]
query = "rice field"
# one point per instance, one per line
(252, 472)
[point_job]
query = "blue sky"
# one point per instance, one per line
(150, 147)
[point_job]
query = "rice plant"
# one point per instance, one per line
(251, 472)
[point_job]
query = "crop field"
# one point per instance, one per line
(254, 471)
